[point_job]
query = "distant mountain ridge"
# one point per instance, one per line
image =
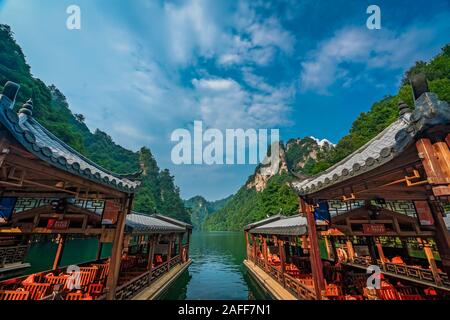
(199, 209)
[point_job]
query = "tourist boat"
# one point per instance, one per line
(382, 209)
(50, 189)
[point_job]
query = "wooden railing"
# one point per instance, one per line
(132, 287)
(174, 261)
(13, 254)
(299, 290)
(137, 284)
(158, 271)
(292, 284)
(414, 273)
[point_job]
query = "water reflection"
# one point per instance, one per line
(217, 271)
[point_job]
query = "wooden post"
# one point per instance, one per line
(327, 246)
(380, 251)
(169, 252)
(282, 259)
(155, 241)
(333, 248)
(316, 261)
(436, 163)
(350, 250)
(180, 246)
(442, 236)
(59, 252)
(254, 248)
(432, 262)
(116, 254)
(99, 249)
(372, 250)
(266, 262)
(247, 246)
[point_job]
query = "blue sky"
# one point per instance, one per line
(141, 69)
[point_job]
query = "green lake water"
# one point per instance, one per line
(216, 272)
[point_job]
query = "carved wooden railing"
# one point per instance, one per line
(298, 289)
(260, 263)
(174, 261)
(137, 284)
(292, 284)
(133, 287)
(159, 271)
(13, 254)
(414, 273)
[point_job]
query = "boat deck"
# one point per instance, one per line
(275, 289)
(163, 283)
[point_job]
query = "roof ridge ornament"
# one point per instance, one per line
(403, 108)
(419, 85)
(10, 91)
(27, 108)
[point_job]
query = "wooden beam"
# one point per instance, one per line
(433, 169)
(442, 154)
(46, 170)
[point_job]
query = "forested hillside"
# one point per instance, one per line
(158, 191)
(303, 157)
(200, 208)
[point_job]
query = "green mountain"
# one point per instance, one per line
(267, 191)
(158, 191)
(200, 209)
(265, 195)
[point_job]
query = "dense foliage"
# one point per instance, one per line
(248, 205)
(158, 191)
(200, 209)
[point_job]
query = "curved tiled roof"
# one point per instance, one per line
(172, 220)
(289, 226)
(141, 223)
(388, 144)
(43, 144)
(263, 221)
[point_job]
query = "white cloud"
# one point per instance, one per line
(190, 28)
(215, 84)
(225, 104)
(255, 39)
(333, 59)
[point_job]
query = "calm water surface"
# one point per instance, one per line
(217, 271)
